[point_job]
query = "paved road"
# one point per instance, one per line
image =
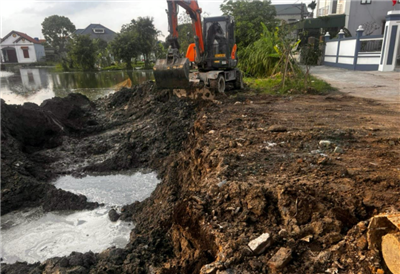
(382, 86)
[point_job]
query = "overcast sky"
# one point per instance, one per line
(27, 16)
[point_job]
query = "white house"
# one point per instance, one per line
(18, 47)
(371, 14)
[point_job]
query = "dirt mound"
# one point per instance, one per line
(263, 184)
(27, 129)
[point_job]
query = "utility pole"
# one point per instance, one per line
(302, 11)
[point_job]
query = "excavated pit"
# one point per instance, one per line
(309, 170)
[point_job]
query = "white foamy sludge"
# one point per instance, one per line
(31, 235)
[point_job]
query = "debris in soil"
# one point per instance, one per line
(280, 259)
(223, 184)
(113, 215)
(259, 244)
(277, 128)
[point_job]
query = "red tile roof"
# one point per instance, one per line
(22, 35)
(27, 37)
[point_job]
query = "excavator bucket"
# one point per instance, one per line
(174, 75)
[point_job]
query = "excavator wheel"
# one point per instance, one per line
(238, 84)
(218, 85)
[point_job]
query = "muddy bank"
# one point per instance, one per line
(133, 129)
(308, 170)
(27, 130)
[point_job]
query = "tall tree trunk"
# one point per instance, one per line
(128, 64)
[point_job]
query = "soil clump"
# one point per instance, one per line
(241, 169)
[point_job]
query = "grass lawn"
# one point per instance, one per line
(272, 85)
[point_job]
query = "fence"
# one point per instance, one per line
(359, 53)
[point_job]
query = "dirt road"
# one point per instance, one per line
(377, 85)
(309, 170)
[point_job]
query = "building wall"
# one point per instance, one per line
(369, 15)
(323, 7)
(31, 79)
(40, 53)
(20, 53)
(10, 40)
(347, 53)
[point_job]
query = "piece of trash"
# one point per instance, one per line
(307, 238)
(325, 143)
(223, 182)
(332, 270)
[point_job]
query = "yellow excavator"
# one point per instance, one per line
(210, 61)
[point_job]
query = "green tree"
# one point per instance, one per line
(248, 16)
(57, 31)
(160, 50)
(145, 34)
(103, 53)
(83, 52)
(125, 47)
(185, 38)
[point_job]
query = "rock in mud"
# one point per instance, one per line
(259, 244)
(113, 215)
(280, 259)
(277, 128)
(211, 268)
(338, 150)
(58, 199)
(325, 144)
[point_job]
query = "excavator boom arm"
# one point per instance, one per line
(194, 11)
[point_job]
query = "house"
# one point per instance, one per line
(371, 14)
(291, 12)
(18, 47)
(97, 31)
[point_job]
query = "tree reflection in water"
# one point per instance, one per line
(37, 84)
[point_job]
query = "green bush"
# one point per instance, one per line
(260, 58)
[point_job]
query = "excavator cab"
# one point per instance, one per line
(220, 44)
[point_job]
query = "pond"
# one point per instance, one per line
(31, 235)
(38, 84)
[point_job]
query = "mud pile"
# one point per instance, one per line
(250, 183)
(28, 129)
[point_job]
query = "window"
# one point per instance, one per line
(98, 30)
(334, 6)
(364, 2)
(26, 53)
(25, 50)
(30, 78)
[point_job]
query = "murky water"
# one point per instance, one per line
(38, 84)
(31, 235)
(114, 190)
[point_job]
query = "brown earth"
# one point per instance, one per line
(231, 170)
